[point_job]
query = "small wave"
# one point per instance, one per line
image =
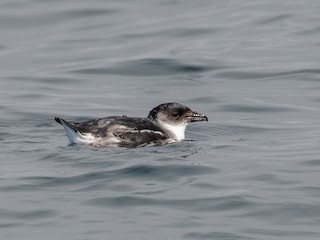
(163, 173)
(247, 75)
(312, 162)
(176, 33)
(252, 109)
(28, 215)
(232, 129)
(288, 212)
(147, 67)
(271, 179)
(202, 100)
(226, 203)
(216, 235)
(272, 233)
(273, 19)
(86, 12)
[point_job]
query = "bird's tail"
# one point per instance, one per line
(74, 135)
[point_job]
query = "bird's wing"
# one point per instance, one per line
(130, 131)
(132, 137)
(124, 130)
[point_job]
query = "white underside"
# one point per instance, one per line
(176, 132)
(77, 137)
(88, 138)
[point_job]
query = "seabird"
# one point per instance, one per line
(165, 123)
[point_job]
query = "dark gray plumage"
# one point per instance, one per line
(166, 122)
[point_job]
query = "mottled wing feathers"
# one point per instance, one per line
(124, 130)
(130, 137)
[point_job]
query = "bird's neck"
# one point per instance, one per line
(176, 132)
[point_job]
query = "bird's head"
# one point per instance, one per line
(173, 118)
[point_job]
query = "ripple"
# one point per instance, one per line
(311, 30)
(47, 80)
(51, 16)
(270, 178)
(176, 32)
(286, 212)
(10, 225)
(251, 109)
(312, 162)
(166, 173)
(246, 75)
(207, 186)
(87, 12)
(282, 233)
(215, 235)
(202, 100)
(29, 215)
(310, 191)
(163, 173)
(274, 19)
(147, 67)
(227, 203)
(231, 129)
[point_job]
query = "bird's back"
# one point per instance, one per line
(124, 131)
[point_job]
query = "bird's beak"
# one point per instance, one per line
(197, 117)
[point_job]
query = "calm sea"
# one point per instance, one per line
(252, 172)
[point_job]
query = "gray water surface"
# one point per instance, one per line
(251, 172)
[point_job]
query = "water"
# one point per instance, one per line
(251, 172)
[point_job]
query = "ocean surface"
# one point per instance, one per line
(252, 172)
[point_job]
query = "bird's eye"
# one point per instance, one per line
(175, 115)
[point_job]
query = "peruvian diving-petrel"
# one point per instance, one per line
(165, 123)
